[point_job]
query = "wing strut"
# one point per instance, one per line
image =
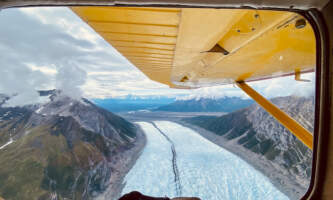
(294, 127)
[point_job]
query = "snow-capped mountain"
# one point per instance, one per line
(225, 104)
(133, 103)
(89, 116)
(66, 148)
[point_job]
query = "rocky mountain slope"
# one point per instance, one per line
(257, 137)
(225, 104)
(64, 149)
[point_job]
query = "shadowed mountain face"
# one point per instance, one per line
(66, 148)
(257, 131)
(226, 104)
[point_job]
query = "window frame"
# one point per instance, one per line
(319, 19)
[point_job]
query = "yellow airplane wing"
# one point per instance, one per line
(192, 47)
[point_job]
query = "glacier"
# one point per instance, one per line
(205, 170)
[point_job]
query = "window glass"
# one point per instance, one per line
(98, 103)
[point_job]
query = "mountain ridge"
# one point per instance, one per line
(257, 137)
(131, 103)
(69, 147)
(225, 104)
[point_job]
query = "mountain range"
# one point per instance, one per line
(225, 104)
(72, 149)
(64, 149)
(132, 103)
(258, 138)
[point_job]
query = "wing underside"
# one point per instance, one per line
(192, 47)
(195, 47)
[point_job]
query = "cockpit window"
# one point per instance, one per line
(140, 102)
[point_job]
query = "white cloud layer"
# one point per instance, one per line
(69, 79)
(47, 48)
(286, 86)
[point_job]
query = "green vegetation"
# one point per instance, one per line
(41, 163)
(56, 155)
(22, 164)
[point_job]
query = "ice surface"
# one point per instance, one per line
(152, 173)
(206, 170)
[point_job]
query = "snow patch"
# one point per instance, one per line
(8, 143)
(7, 113)
(39, 110)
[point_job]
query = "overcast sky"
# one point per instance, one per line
(47, 48)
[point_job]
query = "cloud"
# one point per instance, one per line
(215, 92)
(43, 69)
(42, 47)
(22, 83)
(69, 79)
(123, 83)
(275, 87)
(286, 86)
(31, 50)
(47, 48)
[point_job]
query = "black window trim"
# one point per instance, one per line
(323, 76)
